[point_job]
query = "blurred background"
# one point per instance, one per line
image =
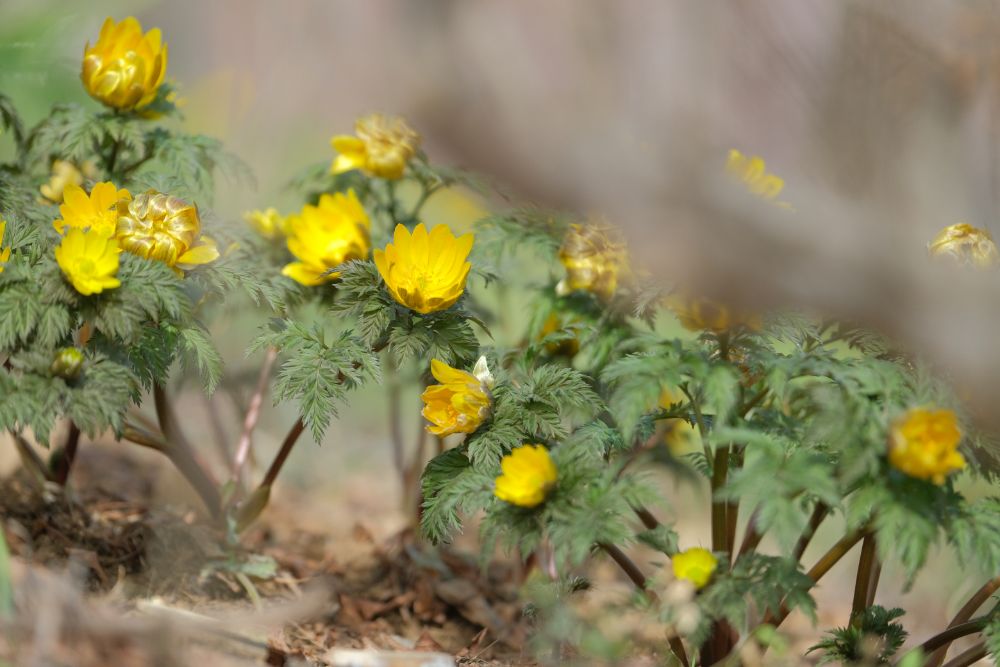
(881, 117)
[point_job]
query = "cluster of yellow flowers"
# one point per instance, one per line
(460, 404)
(923, 443)
(152, 225)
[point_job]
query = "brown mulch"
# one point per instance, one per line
(127, 579)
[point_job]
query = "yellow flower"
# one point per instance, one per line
(425, 272)
(753, 172)
(965, 244)
(461, 402)
(98, 211)
(269, 223)
(528, 476)
(382, 147)
(591, 260)
(89, 260)
(695, 565)
(65, 173)
(923, 443)
(125, 68)
(700, 315)
(165, 228)
(325, 236)
(4, 252)
(67, 363)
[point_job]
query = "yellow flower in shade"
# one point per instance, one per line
(461, 402)
(66, 173)
(752, 171)
(268, 223)
(966, 245)
(680, 437)
(695, 565)
(125, 68)
(324, 236)
(4, 252)
(425, 272)
(158, 226)
(382, 147)
(701, 315)
(591, 260)
(98, 211)
(923, 443)
(89, 260)
(557, 322)
(528, 476)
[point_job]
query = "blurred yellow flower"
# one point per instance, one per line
(701, 315)
(99, 211)
(923, 443)
(425, 272)
(557, 322)
(966, 245)
(752, 171)
(324, 236)
(64, 173)
(125, 68)
(4, 252)
(167, 229)
(695, 565)
(382, 147)
(591, 260)
(680, 437)
(461, 402)
(268, 223)
(89, 260)
(528, 476)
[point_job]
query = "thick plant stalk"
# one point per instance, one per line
(952, 633)
(970, 656)
(286, 448)
(62, 461)
(818, 515)
(633, 572)
(822, 566)
(978, 599)
(188, 466)
(252, 416)
(863, 582)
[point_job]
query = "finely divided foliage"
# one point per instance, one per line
(587, 413)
